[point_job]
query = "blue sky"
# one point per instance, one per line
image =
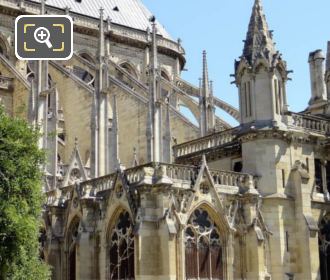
(218, 26)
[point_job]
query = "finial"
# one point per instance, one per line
(76, 142)
(258, 3)
(152, 19)
(67, 10)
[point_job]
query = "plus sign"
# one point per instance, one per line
(41, 34)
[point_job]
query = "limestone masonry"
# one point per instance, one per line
(134, 189)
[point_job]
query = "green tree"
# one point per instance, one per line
(20, 201)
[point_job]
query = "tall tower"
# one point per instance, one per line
(261, 74)
(206, 102)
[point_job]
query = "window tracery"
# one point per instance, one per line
(203, 247)
(122, 249)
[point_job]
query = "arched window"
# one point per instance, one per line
(83, 75)
(324, 247)
(3, 47)
(121, 253)
(87, 57)
(130, 69)
(165, 75)
(72, 249)
(203, 251)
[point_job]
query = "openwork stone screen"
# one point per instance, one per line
(122, 249)
(203, 248)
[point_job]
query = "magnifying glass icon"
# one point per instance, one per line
(41, 35)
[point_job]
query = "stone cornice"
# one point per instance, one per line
(286, 136)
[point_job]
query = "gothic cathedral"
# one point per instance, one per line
(135, 189)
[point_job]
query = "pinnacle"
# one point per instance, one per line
(259, 42)
(205, 81)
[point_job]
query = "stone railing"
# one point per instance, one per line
(229, 178)
(94, 186)
(158, 170)
(205, 143)
(6, 83)
(151, 174)
(310, 123)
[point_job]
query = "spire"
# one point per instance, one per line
(259, 41)
(205, 81)
(154, 113)
(206, 101)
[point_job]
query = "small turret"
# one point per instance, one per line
(261, 74)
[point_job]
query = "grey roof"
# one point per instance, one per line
(131, 13)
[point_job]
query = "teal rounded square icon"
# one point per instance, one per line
(44, 37)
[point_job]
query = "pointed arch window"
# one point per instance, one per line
(121, 253)
(72, 249)
(129, 69)
(203, 248)
(84, 75)
(324, 247)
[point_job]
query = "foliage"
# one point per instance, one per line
(20, 201)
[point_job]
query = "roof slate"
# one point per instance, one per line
(130, 13)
